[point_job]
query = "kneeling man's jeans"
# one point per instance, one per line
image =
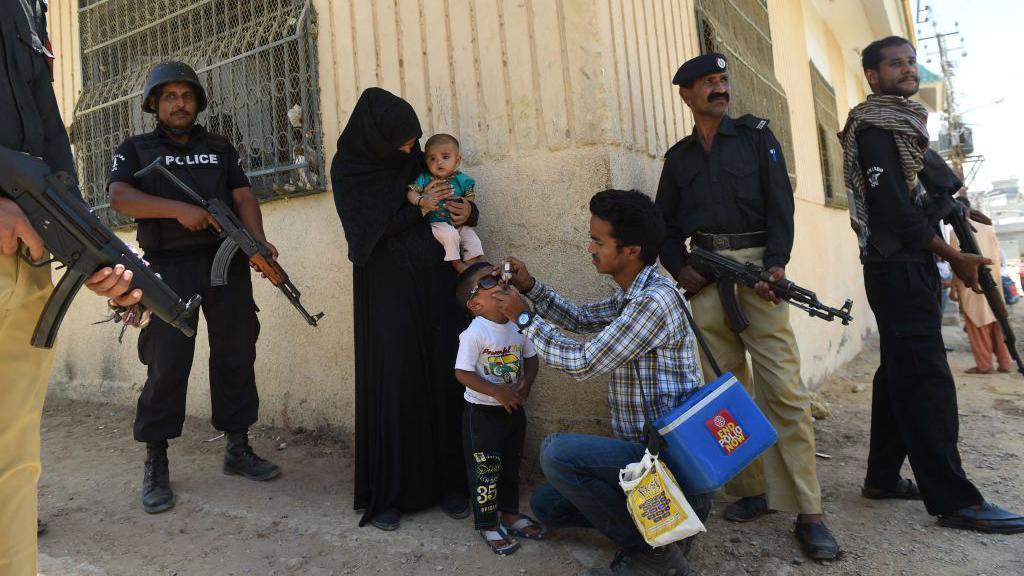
(583, 487)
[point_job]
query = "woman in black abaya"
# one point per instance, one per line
(408, 404)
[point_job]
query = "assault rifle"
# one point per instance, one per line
(80, 242)
(958, 219)
(727, 272)
(236, 236)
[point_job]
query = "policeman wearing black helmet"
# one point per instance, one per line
(725, 188)
(179, 239)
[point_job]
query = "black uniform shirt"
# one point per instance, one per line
(900, 226)
(741, 186)
(207, 163)
(28, 107)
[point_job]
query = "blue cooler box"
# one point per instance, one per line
(713, 435)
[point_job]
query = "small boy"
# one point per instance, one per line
(461, 245)
(497, 365)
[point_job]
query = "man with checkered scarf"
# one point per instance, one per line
(897, 188)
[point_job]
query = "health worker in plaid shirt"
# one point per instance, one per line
(642, 321)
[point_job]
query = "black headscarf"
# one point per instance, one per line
(369, 173)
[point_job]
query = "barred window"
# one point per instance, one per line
(829, 149)
(257, 61)
(740, 30)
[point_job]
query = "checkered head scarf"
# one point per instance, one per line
(908, 122)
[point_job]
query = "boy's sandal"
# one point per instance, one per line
(500, 542)
(519, 527)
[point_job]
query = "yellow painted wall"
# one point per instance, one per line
(553, 100)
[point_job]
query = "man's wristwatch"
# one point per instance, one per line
(524, 320)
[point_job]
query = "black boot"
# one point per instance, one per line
(240, 459)
(156, 482)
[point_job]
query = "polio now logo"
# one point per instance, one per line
(725, 429)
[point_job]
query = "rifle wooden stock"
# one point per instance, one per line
(269, 268)
(237, 237)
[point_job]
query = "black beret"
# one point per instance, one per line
(710, 63)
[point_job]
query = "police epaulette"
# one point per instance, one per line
(751, 121)
(673, 147)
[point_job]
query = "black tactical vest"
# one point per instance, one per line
(202, 164)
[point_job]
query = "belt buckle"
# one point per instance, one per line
(720, 242)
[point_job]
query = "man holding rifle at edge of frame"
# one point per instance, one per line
(899, 189)
(28, 102)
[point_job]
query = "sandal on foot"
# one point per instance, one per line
(905, 489)
(495, 538)
(455, 506)
(976, 370)
(387, 520)
(519, 527)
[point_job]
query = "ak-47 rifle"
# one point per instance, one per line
(957, 217)
(80, 242)
(728, 272)
(236, 236)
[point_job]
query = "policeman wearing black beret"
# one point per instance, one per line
(725, 188)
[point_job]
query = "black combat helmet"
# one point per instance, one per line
(167, 72)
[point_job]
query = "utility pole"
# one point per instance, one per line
(956, 143)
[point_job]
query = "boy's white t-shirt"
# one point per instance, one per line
(495, 352)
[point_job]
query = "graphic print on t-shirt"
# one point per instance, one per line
(495, 352)
(504, 363)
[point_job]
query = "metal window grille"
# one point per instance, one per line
(830, 151)
(257, 61)
(740, 30)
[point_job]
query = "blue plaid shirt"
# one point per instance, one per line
(646, 323)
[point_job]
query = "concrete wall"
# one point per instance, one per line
(553, 101)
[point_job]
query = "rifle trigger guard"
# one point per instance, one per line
(23, 253)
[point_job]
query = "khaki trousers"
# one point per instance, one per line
(987, 341)
(786, 472)
(24, 373)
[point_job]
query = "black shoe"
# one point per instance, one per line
(816, 540)
(387, 520)
(663, 561)
(685, 545)
(988, 518)
(905, 489)
(746, 509)
(241, 460)
(156, 480)
(455, 506)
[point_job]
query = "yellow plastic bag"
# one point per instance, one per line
(656, 503)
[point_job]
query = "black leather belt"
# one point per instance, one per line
(718, 242)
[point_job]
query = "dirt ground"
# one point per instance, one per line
(303, 523)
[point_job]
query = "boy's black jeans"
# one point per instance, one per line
(493, 443)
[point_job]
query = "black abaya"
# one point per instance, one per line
(408, 444)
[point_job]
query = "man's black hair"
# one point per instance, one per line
(464, 283)
(634, 219)
(871, 57)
